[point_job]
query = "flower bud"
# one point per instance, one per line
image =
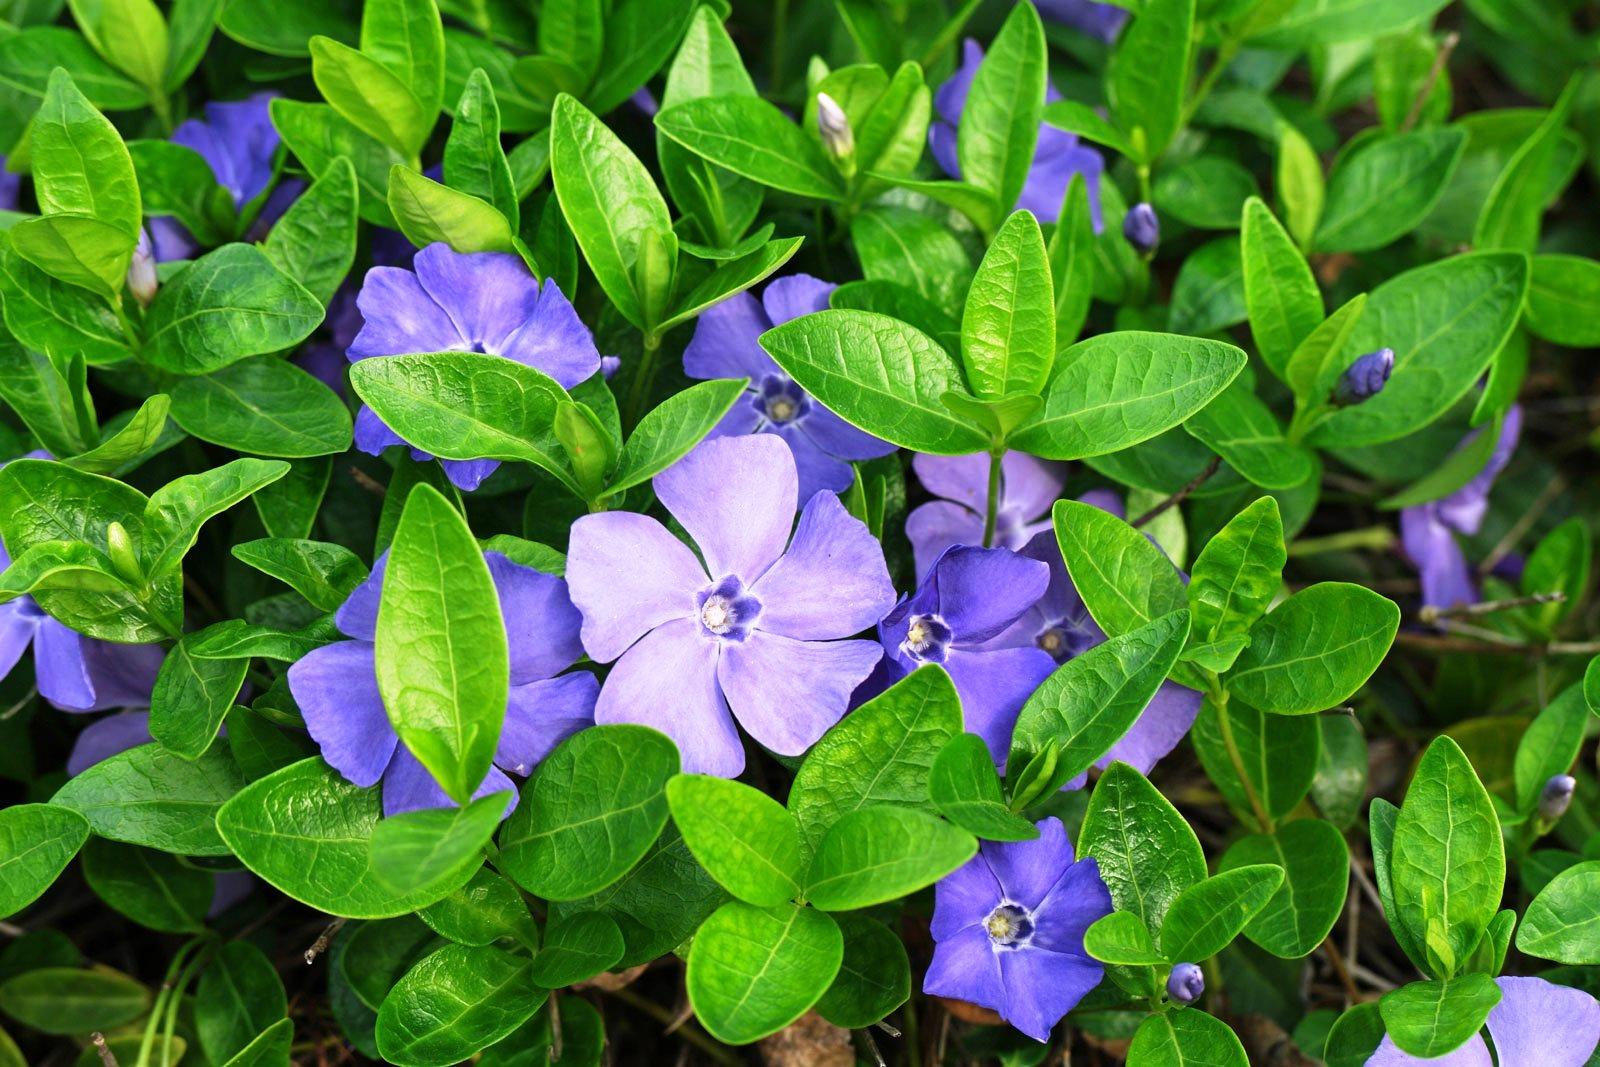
(142, 270)
(1365, 378)
(1185, 983)
(1141, 227)
(834, 126)
(1556, 797)
(119, 546)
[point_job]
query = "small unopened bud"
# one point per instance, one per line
(1365, 378)
(142, 270)
(1556, 797)
(1141, 227)
(834, 126)
(119, 546)
(1186, 983)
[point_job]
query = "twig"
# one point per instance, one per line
(1377, 981)
(1177, 498)
(1331, 950)
(555, 1027)
(1446, 46)
(687, 1032)
(368, 482)
(1501, 646)
(11, 930)
(872, 1047)
(1431, 614)
(107, 1057)
(883, 1024)
(320, 945)
(1557, 486)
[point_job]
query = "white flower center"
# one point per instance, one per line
(716, 614)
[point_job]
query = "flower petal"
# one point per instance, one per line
(832, 582)
(542, 714)
(965, 967)
(795, 295)
(59, 667)
(984, 590)
(1441, 565)
(787, 693)
(465, 474)
(838, 438)
(373, 435)
(964, 898)
(1541, 1024)
(1029, 484)
(964, 479)
(724, 342)
(407, 786)
(553, 339)
(668, 681)
(357, 617)
(487, 295)
(737, 497)
(1042, 986)
(336, 687)
(627, 575)
(1157, 731)
(1028, 870)
(398, 316)
(18, 621)
(939, 525)
(1473, 1054)
(994, 684)
(1076, 902)
(105, 737)
(541, 623)
(817, 472)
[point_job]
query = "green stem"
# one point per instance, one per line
(1375, 537)
(643, 376)
(992, 508)
(1225, 55)
(147, 1042)
(780, 40)
(1225, 727)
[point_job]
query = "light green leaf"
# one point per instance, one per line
(417, 851)
(1125, 581)
(743, 838)
(880, 852)
(428, 212)
(453, 1003)
(1146, 852)
(1000, 123)
(1238, 572)
(1008, 335)
(752, 971)
(1385, 186)
(966, 789)
(1316, 877)
(1563, 922)
(1429, 1019)
(1148, 76)
(263, 405)
(752, 138)
(37, 841)
(1284, 303)
(148, 796)
(1315, 650)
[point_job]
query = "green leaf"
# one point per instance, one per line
(1385, 186)
(1284, 302)
(577, 948)
(1559, 563)
(1277, 757)
(897, 244)
(315, 241)
(966, 789)
(370, 96)
(609, 199)
(1121, 938)
(1320, 358)
(318, 136)
(1090, 701)
(441, 653)
(407, 38)
(881, 852)
(131, 34)
(743, 838)
(1550, 745)
(1238, 572)
(752, 971)
(1302, 190)
(1241, 429)
(1148, 76)
(474, 160)
(1208, 295)
(670, 429)
(1185, 1039)
(1118, 389)
(322, 572)
(238, 998)
(37, 841)
(1429, 1019)
(266, 406)
(192, 696)
(1000, 123)
(420, 850)
(1315, 650)
(465, 405)
(750, 137)
(148, 796)
(66, 1000)
(1445, 322)
(224, 306)
(1207, 192)
(1563, 922)
(481, 912)
(1447, 868)
(1146, 852)
(174, 514)
(1510, 217)
(428, 212)
(453, 1003)
(43, 399)
(874, 976)
(30, 55)
(151, 888)
(733, 276)
(308, 832)
(877, 373)
(48, 315)
(1125, 580)
(1008, 335)
(1330, 21)
(1072, 262)
(1564, 300)
(77, 249)
(138, 436)
(1316, 876)
(80, 165)
(1074, 116)
(881, 753)
(639, 37)
(564, 842)
(1208, 915)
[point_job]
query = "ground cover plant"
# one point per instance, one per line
(915, 532)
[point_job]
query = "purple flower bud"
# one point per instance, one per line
(1556, 797)
(834, 126)
(142, 281)
(1186, 983)
(1365, 378)
(1141, 227)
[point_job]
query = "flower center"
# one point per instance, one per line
(781, 401)
(726, 611)
(1063, 639)
(1009, 926)
(928, 639)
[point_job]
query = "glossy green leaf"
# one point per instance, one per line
(1316, 876)
(148, 796)
(1509, 219)
(752, 138)
(874, 976)
(1206, 916)
(1148, 76)
(1147, 854)
(191, 697)
(752, 971)
(265, 406)
(1237, 573)
(1122, 938)
(1008, 337)
(1186, 1039)
(1429, 1019)
(1315, 650)
(1385, 186)
(1564, 300)
(1125, 580)
(1550, 745)
(1241, 429)
(1277, 757)
(370, 96)
(880, 852)
(80, 164)
(744, 838)
(453, 1003)
(238, 998)
(418, 850)
(966, 789)
(481, 912)
(577, 948)
(1563, 922)
(315, 241)
(37, 841)
(407, 38)
(66, 1000)
(1284, 303)
(176, 511)
(1000, 122)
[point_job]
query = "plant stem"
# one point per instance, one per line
(1377, 537)
(1177, 498)
(1219, 63)
(643, 376)
(991, 510)
(1225, 726)
(687, 1031)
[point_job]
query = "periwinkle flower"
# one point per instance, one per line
(1365, 378)
(968, 598)
(107, 736)
(1536, 1024)
(10, 187)
(725, 345)
(833, 125)
(1058, 156)
(750, 636)
(336, 688)
(1060, 624)
(1428, 531)
(1028, 486)
(1556, 797)
(466, 302)
(71, 671)
(1102, 21)
(142, 282)
(1142, 228)
(1185, 983)
(1008, 930)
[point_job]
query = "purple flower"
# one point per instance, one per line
(1060, 625)
(1185, 983)
(10, 187)
(751, 635)
(1555, 797)
(1365, 378)
(725, 346)
(325, 357)
(336, 687)
(1428, 531)
(1028, 486)
(1103, 21)
(477, 302)
(1141, 228)
(74, 672)
(1057, 158)
(107, 736)
(1008, 930)
(1536, 1024)
(968, 598)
